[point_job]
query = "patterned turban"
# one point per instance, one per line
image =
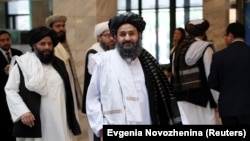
(197, 27)
(124, 18)
(100, 28)
(54, 18)
(38, 33)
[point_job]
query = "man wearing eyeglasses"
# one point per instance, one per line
(104, 42)
(229, 74)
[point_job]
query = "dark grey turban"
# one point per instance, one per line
(197, 27)
(36, 34)
(124, 18)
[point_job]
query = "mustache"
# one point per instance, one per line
(61, 32)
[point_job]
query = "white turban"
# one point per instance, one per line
(100, 28)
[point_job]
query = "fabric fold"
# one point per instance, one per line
(33, 73)
(130, 97)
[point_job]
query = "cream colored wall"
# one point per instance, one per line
(217, 13)
(82, 16)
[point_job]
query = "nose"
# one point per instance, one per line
(48, 46)
(112, 39)
(127, 37)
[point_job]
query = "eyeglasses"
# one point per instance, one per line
(223, 36)
(106, 35)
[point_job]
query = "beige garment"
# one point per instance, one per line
(63, 52)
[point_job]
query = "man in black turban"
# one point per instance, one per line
(39, 89)
(191, 65)
(197, 27)
(128, 17)
(36, 35)
(127, 85)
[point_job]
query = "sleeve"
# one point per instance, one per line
(15, 103)
(213, 78)
(93, 102)
(207, 59)
(91, 63)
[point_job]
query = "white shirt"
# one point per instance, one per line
(117, 93)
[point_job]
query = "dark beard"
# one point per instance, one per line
(62, 38)
(45, 58)
(129, 51)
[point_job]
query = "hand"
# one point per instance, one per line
(6, 69)
(101, 134)
(28, 119)
(216, 109)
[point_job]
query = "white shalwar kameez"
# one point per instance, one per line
(117, 93)
(53, 106)
(191, 113)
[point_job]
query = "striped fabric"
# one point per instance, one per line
(161, 87)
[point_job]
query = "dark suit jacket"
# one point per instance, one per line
(230, 75)
(5, 120)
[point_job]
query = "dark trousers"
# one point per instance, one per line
(236, 120)
(96, 138)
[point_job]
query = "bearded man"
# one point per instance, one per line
(104, 42)
(63, 51)
(38, 92)
(127, 84)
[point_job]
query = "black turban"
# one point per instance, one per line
(197, 27)
(124, 18)
(36, 34)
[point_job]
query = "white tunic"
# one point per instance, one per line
(53, 106)
(117, 93)
(191, 113)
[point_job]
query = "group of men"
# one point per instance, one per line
(123, 83)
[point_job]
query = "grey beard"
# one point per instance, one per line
(104, 46)
(130, 52)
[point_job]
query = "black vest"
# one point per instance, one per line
(33, 102)
(190, 82)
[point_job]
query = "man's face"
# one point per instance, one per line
(44, 49)
(106, 41)
(59, 28)
(128, 41)
(228, 38)
(5, 41)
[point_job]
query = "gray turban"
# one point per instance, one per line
(124, 18)
(197, 27)
(38, 33)
(54, 18)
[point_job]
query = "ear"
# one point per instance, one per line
(140, 35)
(231, 36)
(98, 38)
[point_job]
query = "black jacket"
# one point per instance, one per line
(230, 75)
